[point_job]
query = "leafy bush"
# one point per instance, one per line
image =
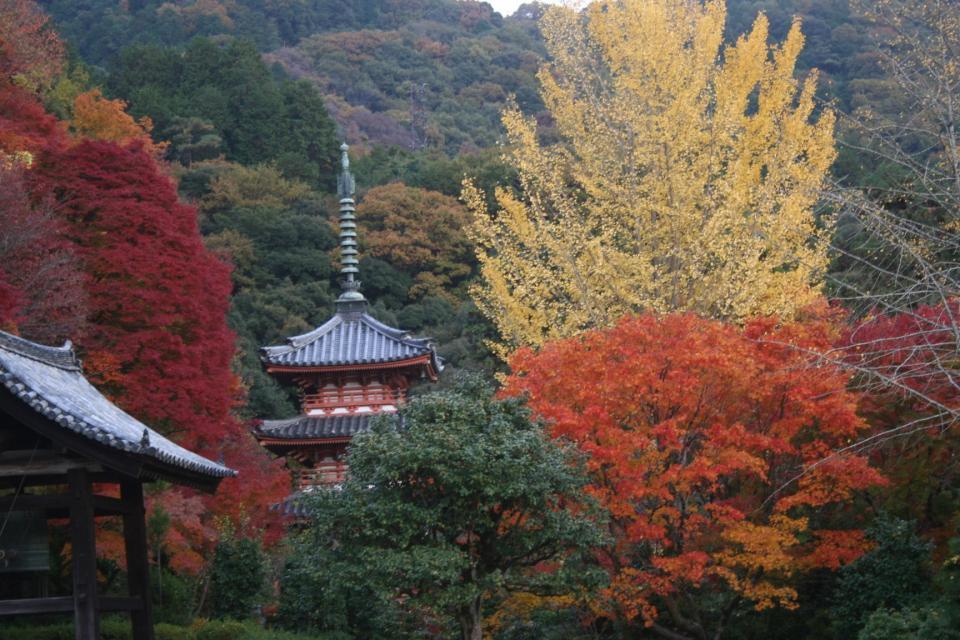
(110, 629)
(172, 598)
(115, 629)
(908, 624)
(164, 631)
(222, 630)
(237, 578)
(50, 632)
(895, 573)
(118, 628)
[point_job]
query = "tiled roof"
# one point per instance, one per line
(350, 339)
(50, 381)
(294, 506)
(310, 427)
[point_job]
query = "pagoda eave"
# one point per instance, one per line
(425, 360)
(303, 442)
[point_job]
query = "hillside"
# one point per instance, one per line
(415, 74)
(420, 74)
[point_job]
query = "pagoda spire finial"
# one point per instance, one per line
(350, 297)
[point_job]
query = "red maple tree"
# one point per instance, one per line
(25, 126)
(906, 365)
(694, 430)
(41, 293)
(30, 50)
(157, 340)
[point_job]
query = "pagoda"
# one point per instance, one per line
(349, 369)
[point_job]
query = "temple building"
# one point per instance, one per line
(348, 370)
(67, 452)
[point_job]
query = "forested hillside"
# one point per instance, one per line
(427, 74)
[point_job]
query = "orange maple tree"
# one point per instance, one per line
(99, 118)
(420, 232)
(694, 430)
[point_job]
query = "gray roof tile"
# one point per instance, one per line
(50, 381)
(350, 339)
(310, 427)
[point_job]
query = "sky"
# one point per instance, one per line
(507, 7)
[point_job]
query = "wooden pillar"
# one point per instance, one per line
(138, 571)
(82, 538)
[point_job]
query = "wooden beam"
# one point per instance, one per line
(57, 506)
(108, 506)
(106, 477)
(45, 466)
(64, 604)
(34, 503)
(36, 605)
(85, 614)
(138, 571)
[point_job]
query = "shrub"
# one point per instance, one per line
(49, 632)
(222, 630)
(908, 624)
(237, 578)
(164, 631)
(173, 602)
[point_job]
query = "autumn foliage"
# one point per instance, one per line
(157, 339)
(41, 290)
(695, 430)
(686, 180)
(97, 247)
(908, 370)
(420, 232)
(100, 118)
(31, 53)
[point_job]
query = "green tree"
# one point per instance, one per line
(895, 573)
(908, 624)
(214, 96)
(459, 498)
(237, 577)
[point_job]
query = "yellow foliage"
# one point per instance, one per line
(760, 554)
(16, 159)
(521, 605)
(685, 178)
(262, 185)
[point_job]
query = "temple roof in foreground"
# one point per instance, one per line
(353, 338)
(50, 381)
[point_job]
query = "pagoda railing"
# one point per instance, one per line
(371, 396)
(325, 472)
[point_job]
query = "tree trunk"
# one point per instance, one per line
(471, 621)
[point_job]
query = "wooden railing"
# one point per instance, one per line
(325, 472)
(346, 397)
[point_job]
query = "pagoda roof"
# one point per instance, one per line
(350, 339)
(49, 382)
(342, 425)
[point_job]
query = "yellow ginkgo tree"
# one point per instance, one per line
(685, 176)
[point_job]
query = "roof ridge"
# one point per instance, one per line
(63, 357)
(394, 332)
(314, 334)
